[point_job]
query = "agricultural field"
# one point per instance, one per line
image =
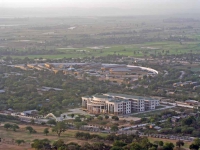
(56, 38)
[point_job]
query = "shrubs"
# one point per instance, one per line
(77, 119)
(87, 136)
(115, 118)
(19, 142)
(100, 117)
(106, 117)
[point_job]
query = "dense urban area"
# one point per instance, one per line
(100, 83)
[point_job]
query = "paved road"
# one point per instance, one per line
(182, 74)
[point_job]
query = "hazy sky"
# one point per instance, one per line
(101, 3)
(105, 7)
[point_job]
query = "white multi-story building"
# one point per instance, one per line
(118, 104)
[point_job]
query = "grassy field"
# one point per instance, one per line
(136, 50)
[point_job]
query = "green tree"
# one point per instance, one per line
(114, 128)
(15, 127)
(78, 125)
(106, 117)
(77, 119)
(100, 118)
(160, 143)
(46, 131)
(51, 121)
(117, 148)
(19, 142)
(72, 115)
(59, 128)
(100, 146)
(168, 146)
(135, 146)
(30, 129)
(144, 142)
(188, 121)
(119, 143)
(197, 141)
(58, 143)
(179, 143)
(7, 126)
(115, 118)
(32, 121)
(39, 144)
(193, 147)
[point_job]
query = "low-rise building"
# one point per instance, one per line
(118, 104)
(29, 113)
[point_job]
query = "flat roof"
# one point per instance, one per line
(120, 70)
(101, 96)
(129, 96)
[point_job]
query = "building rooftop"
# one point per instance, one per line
(191, 101)
(128, 96)
(100, 96)
(120, 70)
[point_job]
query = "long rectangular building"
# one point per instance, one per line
(118, 104)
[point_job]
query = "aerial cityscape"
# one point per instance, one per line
(99, 75)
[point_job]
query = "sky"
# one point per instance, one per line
(100, 3)
(87, 7)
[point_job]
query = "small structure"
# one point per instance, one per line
(192, 102)
(2, 91)
(29, 113)
(46, 89)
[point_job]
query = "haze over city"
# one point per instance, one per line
(99, 7)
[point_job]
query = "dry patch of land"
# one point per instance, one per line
(9, 136)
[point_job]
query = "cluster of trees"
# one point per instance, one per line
(186, 126)
(137, 144)
(58, 128)
(14, 127)
(21, 93)
(60, 145)
(158, 86)
(87, 136)
(4, 118)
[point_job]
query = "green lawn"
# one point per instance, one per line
(135, 50)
